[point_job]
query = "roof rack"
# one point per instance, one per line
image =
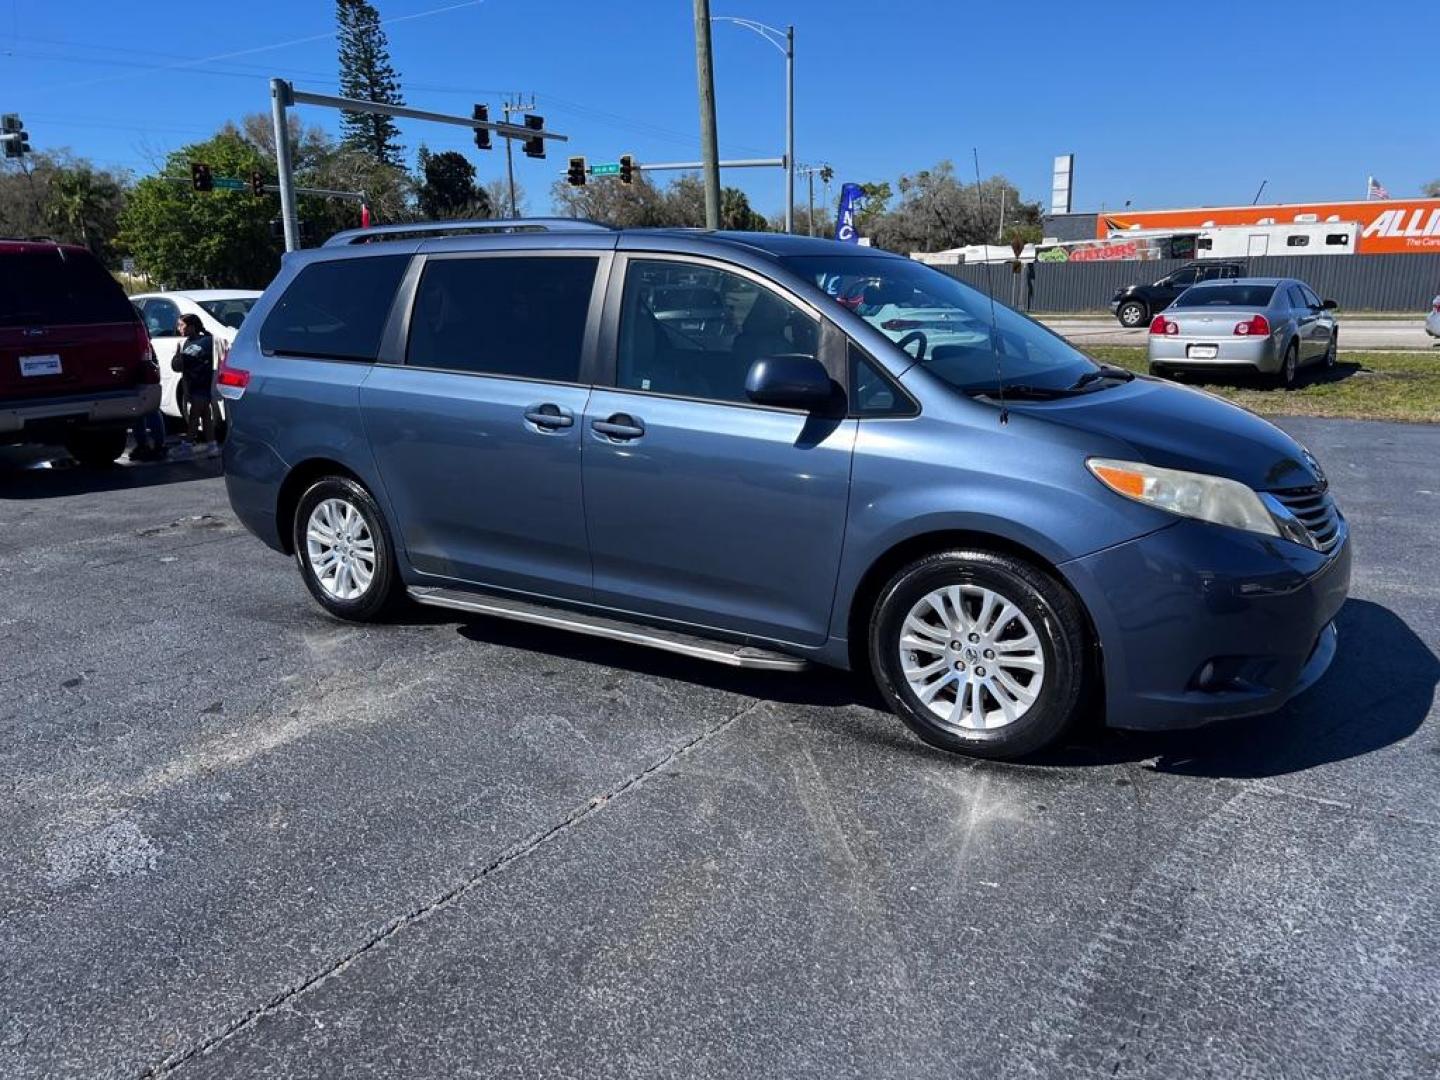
(456, 228)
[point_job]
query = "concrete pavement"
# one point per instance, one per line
(241, 839)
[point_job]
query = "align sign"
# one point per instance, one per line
(1387, 226)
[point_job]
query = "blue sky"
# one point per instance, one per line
(1166, 105)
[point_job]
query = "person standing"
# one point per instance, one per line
(149, 429)
(195, 361)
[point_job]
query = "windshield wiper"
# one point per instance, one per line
(1021, 391)
(1104, 371)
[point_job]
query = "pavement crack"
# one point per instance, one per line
(512, 854)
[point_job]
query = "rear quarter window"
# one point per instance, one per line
(336, 309)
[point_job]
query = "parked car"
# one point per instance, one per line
(222, 311)
(1134, 305)
(75, 363)
(1006, 537)
(1270, 326)
(1432, 321)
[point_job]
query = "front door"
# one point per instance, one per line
(702, 507)
(477, 436)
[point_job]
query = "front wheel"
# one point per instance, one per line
(1333, 352)
(979, 652)
(1131, 314)
(344, 551)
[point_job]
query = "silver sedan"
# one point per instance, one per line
(1273, 326)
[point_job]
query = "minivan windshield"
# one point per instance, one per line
(1251, 296)
(947, 326)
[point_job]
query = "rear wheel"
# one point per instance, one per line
(344, 551)
(1289, 372)
(1131, 313)
(97, 448)
(979, 652)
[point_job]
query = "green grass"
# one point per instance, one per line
(1362, 386)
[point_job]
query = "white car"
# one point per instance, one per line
(1432, 321)
(221, 312)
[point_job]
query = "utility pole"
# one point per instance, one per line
(709, 141)
(1000, 233)
(789, 129)
(508, 108)
(281, 98)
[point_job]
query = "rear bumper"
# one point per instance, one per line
(29, 421)
(1260, 610)
(1262, 354)
(1432, 325)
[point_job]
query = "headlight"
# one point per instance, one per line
(1194, 495)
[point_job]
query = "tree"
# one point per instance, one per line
(64, 197)
(824, 221)
(1432, 189)
(448, 189)
(366, 74)
(936, 211)
(611, 202)
(498, 192)
(190, 239)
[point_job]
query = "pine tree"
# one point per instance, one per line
(366, 74)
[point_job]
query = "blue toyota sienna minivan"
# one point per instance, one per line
(771, 451)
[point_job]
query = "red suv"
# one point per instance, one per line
(75, 361)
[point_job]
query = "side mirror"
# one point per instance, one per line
(790, 380)
(1329, 305)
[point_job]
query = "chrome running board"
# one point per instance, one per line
(700, 648)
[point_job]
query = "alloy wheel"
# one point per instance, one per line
(341, 549)
(972, 657)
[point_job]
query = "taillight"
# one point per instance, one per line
(1259, 326)
(149, 367)
(1162, 325)
(231, 381)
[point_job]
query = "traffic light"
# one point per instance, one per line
(200, 178)
(627, 169)
(257, 183)
(482, 135)
(16, 137)
(534, 146)
(576, 175)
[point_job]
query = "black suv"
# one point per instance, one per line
(1135, 305)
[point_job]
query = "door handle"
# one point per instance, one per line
(549, 416)
(620, 426)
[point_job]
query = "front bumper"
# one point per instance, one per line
(1261, 353)
(1260, 610)
(30, 420)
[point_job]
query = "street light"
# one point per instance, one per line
(784, 40)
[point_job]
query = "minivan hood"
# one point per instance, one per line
(1182, 428)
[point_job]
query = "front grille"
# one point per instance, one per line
(1317, 511)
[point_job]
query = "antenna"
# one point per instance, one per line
(990, 288)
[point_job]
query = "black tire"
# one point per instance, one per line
(1159, 371)
(1052, 612)
(1132, 313)
(379, 597)
(1289, 374)
(1332, 354)
(97, 449)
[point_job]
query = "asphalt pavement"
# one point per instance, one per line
(1356, 332)
(243, 840)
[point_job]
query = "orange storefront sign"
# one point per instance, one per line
(1387, 226)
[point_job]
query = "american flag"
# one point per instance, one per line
(1376, 190)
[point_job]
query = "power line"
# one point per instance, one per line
(180, 65)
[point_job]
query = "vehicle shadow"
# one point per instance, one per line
(1340, 717)
(31, 472)
(816, 686)
(1310, 375)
